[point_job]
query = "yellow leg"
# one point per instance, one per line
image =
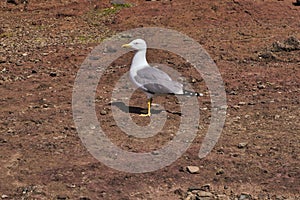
(149, 109)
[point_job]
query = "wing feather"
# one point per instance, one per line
(156, 81)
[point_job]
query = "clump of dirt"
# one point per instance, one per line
(290, 44)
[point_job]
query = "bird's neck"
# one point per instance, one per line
(139, 59)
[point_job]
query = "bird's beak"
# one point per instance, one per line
(126, 45)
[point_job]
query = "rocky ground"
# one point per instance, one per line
(256, 47)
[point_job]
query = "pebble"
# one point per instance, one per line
(233, 92)
(19, 63)
(276, 116)
(205, 187)
(267, 55)
(53, 74)
(204, 194)
(103, 112)
(222, 197)
(190, 196)
(261, 86)
(179, 192)
(251, 103)
(245, 196)
(93, 127)
(62, 197)
(242, 145)
(109, 50)
(71, 186)
(193, 169)
(236, 107)
(84, 198)
(4, 196)
(220, 171)
(241, 103)
(2, 59)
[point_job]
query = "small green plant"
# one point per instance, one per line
(95, 17)
(115, 8)
(124, 5)
(6, 35)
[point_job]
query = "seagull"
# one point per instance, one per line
(150, 79)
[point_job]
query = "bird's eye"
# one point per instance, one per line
(136, 43)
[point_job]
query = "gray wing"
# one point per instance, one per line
(156, 81)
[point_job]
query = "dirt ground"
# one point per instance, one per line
(255, 45)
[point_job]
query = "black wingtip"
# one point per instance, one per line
(199, 94)
(189, 93)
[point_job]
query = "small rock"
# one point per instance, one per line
(71, 185)
(103, 112)
(62, 197)
(53, 74)
(4, 196)
(126, 35)
(242, 145)
(193, 169)
(245, 196)
(290, 44)
(267, 55)
(109, 49)
(84, 198)
(241, 103)
(261, 86)
(297, 3)
(233, 92)
(205, 187)
(237, 118)
(194, 188)
(3, 140)
(19, 63)
(93, 127)
(193, 80)
(276, 116)
(12, 2)
(223, 197)
(220, 171)
(190, 196)
(179, 192)
(2, 60)
(236, 107)
(204, 194)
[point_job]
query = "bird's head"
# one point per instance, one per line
(137, 44)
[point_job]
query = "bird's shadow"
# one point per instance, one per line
(137, 110)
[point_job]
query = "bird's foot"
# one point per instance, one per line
(145, 115)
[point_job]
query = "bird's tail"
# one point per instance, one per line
(190, 93)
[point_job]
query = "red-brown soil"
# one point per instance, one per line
(43, 45)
